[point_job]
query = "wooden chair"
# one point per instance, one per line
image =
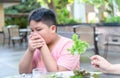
(14, 35)
(5, 35)
(86, 34)
(66, 34)
(111, 40)
(65, 31)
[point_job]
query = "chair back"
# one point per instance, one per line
(86, 34)
(14, 31)
(66, 31)
(112, 38)
(66, 34)
(5, 32)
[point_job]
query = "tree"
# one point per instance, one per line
(60, 9)
(58, 6)
(20, 11)
(106, 4)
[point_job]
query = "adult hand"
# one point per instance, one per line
(100, 63)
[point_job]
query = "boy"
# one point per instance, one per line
(46, 49)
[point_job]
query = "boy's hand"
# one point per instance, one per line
(35, 42)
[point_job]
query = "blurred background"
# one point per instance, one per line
(100, 19)
(67, 11)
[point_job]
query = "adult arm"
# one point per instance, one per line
(114, 69)
(105, 66)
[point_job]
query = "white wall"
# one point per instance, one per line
(79, 11)
(5, 5)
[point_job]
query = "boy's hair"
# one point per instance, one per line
(44, 15)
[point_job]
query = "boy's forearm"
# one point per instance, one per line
(49, 62)
(25, 65)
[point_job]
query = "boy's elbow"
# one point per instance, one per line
(23, 69)
(20, 69)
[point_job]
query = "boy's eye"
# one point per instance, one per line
(32, 31)
(38, 29)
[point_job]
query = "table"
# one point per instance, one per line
(25, 32)
(66, 74)
(109, 76)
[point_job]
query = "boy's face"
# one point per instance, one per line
(43, 30)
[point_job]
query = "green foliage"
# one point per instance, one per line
(113, 19)
(21, 21)
(97, 3)
(24, 7)
(11, 11)
(79, 46)
(63, 15)
(14, 16)
(118, 3)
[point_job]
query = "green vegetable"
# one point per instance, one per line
(95, 76)
(83, 74)
(79, 46)
(80, 74)
(52, 76)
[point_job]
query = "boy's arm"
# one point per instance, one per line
(49, 62)
(35, 41)
(25, 65)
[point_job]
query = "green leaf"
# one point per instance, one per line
(78, 46)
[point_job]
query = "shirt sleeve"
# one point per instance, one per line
(68, 60)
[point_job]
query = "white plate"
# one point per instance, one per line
(20, 76)
(65, 74)
(15, 76)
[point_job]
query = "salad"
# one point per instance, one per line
(83, 74)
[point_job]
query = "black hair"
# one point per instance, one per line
(44, 15)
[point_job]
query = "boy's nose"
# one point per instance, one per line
(34, 33)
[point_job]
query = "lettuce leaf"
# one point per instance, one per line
(79, 46)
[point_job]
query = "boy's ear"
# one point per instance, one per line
(53, 28)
